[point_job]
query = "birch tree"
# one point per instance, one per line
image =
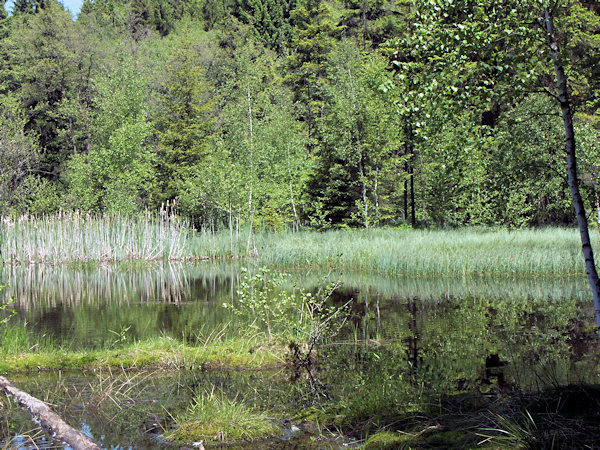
(482, 52)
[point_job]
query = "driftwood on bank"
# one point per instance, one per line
(49, 420)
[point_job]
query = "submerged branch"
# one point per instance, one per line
(49, 420)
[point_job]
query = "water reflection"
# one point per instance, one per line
(81, 306)
(414, 348)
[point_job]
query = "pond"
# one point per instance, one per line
(413, 347)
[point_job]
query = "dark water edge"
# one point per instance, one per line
(457, 356)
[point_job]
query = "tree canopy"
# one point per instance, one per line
(316, 113)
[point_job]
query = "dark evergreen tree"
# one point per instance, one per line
(270, 20)
(186, 118)
(314, 35)
(29, 6)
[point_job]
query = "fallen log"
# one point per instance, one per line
(49, 420)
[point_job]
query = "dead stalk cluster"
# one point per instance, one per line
(78, 237)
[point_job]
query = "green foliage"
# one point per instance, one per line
(263, 301)
(257, 159)
(186, 117)
(121, 336)
(498, 187)
(13, 338)
(313, 38)
(49, 70)
(117, 174)
(269, 220)
(271, 113)
(6, 310)
(588, 138)
(306, 318)
(40, 196)
(18, 152)
(270, 20)
(359, 168)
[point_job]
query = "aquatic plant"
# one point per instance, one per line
(447, 253)
(6, 310)
(304, 318)
(79, 238)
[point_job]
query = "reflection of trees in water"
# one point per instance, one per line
(412, 341)
(452, 324)
(37, 285)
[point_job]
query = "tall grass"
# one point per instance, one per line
(75, 237)
(463, 252)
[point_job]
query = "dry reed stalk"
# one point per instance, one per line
(74, 237)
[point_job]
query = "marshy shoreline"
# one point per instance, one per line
(75, 238)
(428, 309)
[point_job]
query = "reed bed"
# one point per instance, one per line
(79, 238)
(76, 237)
(462, 252)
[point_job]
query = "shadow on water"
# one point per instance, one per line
(436, 363)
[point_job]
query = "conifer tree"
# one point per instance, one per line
(314, 37)
(186, 117)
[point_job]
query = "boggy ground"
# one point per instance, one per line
(563, 417)
(374, 394)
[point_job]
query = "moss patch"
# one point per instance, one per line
(164, 352)
(387, 440)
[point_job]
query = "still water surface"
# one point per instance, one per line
(532, 333)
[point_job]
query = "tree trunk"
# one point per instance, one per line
(361, 169)
(413, 222)
(296, 220)
(409, 151)
(49, 420)
(405, 195)
(567, 115)
(250, 208)
(376, 196)
(364, 191)
(363, 14)
(597, 208)
(230, 228)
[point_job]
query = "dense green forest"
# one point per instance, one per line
(311, 113)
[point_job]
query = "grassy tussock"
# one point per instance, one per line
(215, 418)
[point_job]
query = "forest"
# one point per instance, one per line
(300, 113)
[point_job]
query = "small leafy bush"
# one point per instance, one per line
(305, 318)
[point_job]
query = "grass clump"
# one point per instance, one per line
(13, 339)
(215, 418)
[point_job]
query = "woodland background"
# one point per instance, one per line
(297, 113)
